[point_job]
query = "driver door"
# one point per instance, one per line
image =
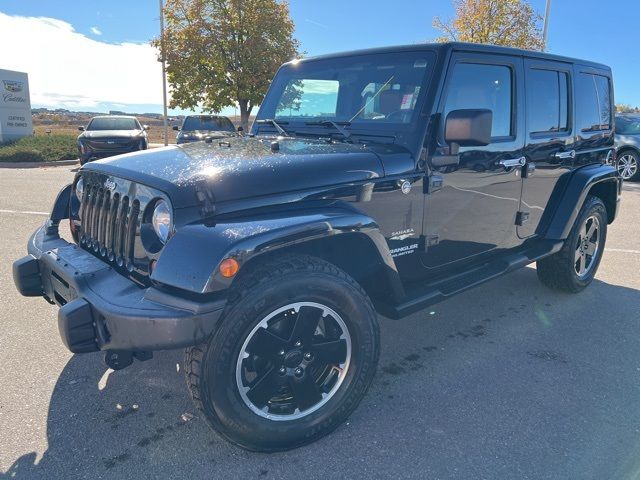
(472, 206)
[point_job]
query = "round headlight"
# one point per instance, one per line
(161, 220)
(79, 188)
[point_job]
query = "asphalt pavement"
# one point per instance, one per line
(507, 381)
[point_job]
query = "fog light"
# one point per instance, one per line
(229, 267)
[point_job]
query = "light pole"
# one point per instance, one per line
(545, 27)
(164, 76)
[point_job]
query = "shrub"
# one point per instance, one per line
(50, 148)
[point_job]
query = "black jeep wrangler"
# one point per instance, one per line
(379, 181)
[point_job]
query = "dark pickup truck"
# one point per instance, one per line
(379, 181)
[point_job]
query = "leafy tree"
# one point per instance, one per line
(222, 53)
(511, 23)
(624, 108)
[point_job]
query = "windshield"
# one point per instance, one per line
(208, 123)
(363, 90)
(114, 124)
(628, 125)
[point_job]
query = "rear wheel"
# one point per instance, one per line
(293, 356)
(573, 267)
(627, 165)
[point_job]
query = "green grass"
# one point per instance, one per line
(51, 148)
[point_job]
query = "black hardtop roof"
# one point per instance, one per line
(462, 47)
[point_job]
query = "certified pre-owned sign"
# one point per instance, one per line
(15, 106)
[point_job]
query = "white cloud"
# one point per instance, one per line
(96, 31)
(69, 70)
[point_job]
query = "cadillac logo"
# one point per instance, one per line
(13, 86)
(110, 185)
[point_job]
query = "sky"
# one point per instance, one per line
(94, 55)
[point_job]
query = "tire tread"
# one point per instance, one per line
(554, 271)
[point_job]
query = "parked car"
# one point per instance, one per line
(380, 181)
(628, 146)
(110, 135)
(198, 127)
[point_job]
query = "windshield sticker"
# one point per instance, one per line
(407, 101)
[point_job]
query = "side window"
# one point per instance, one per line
(593, 102)
(475, 85)
(547, 101)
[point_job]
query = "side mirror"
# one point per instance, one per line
(240, 129)
(81, 129)
(176, 128)
(145, 127)
(464, 128)
(468, 128)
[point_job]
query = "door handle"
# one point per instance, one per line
(564, 155)
(513, 162)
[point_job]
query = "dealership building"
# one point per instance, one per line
(15, 106)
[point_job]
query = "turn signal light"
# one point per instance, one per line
(229, 267)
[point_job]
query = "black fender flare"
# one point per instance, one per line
(190, 260)
(602, 178)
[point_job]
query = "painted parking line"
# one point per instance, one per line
(23, 212)
(622, 250)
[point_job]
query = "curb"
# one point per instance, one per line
(61, 163)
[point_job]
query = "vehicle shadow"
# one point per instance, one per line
(141, 419)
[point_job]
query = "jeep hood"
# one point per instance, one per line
(243, 167)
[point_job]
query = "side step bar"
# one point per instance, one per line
(443, 288)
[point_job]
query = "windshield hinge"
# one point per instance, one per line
(205, 199)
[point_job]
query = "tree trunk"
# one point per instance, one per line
(245, 111)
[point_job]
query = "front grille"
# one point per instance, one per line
(119, 144)
(109, 224)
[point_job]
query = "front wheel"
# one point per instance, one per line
(294, 354)
(575, 265)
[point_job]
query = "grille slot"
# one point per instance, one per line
(109, 224)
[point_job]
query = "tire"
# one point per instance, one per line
(628, 165)
(573, 268)
(218, 371)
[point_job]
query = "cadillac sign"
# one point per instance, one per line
(15, 106)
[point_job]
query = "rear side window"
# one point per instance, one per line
(475, 85)
(593, 102)
(547, 101)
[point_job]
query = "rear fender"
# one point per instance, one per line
(191, 258)
(601, 180)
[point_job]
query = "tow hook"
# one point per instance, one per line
(119, 359)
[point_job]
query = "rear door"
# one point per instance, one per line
(550, 148)
(594, 115)
(473, 213)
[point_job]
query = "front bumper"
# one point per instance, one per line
(103, 310)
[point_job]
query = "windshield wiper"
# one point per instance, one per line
(336, 125)
(271, 121)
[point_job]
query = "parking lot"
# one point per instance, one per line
(507, 381)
